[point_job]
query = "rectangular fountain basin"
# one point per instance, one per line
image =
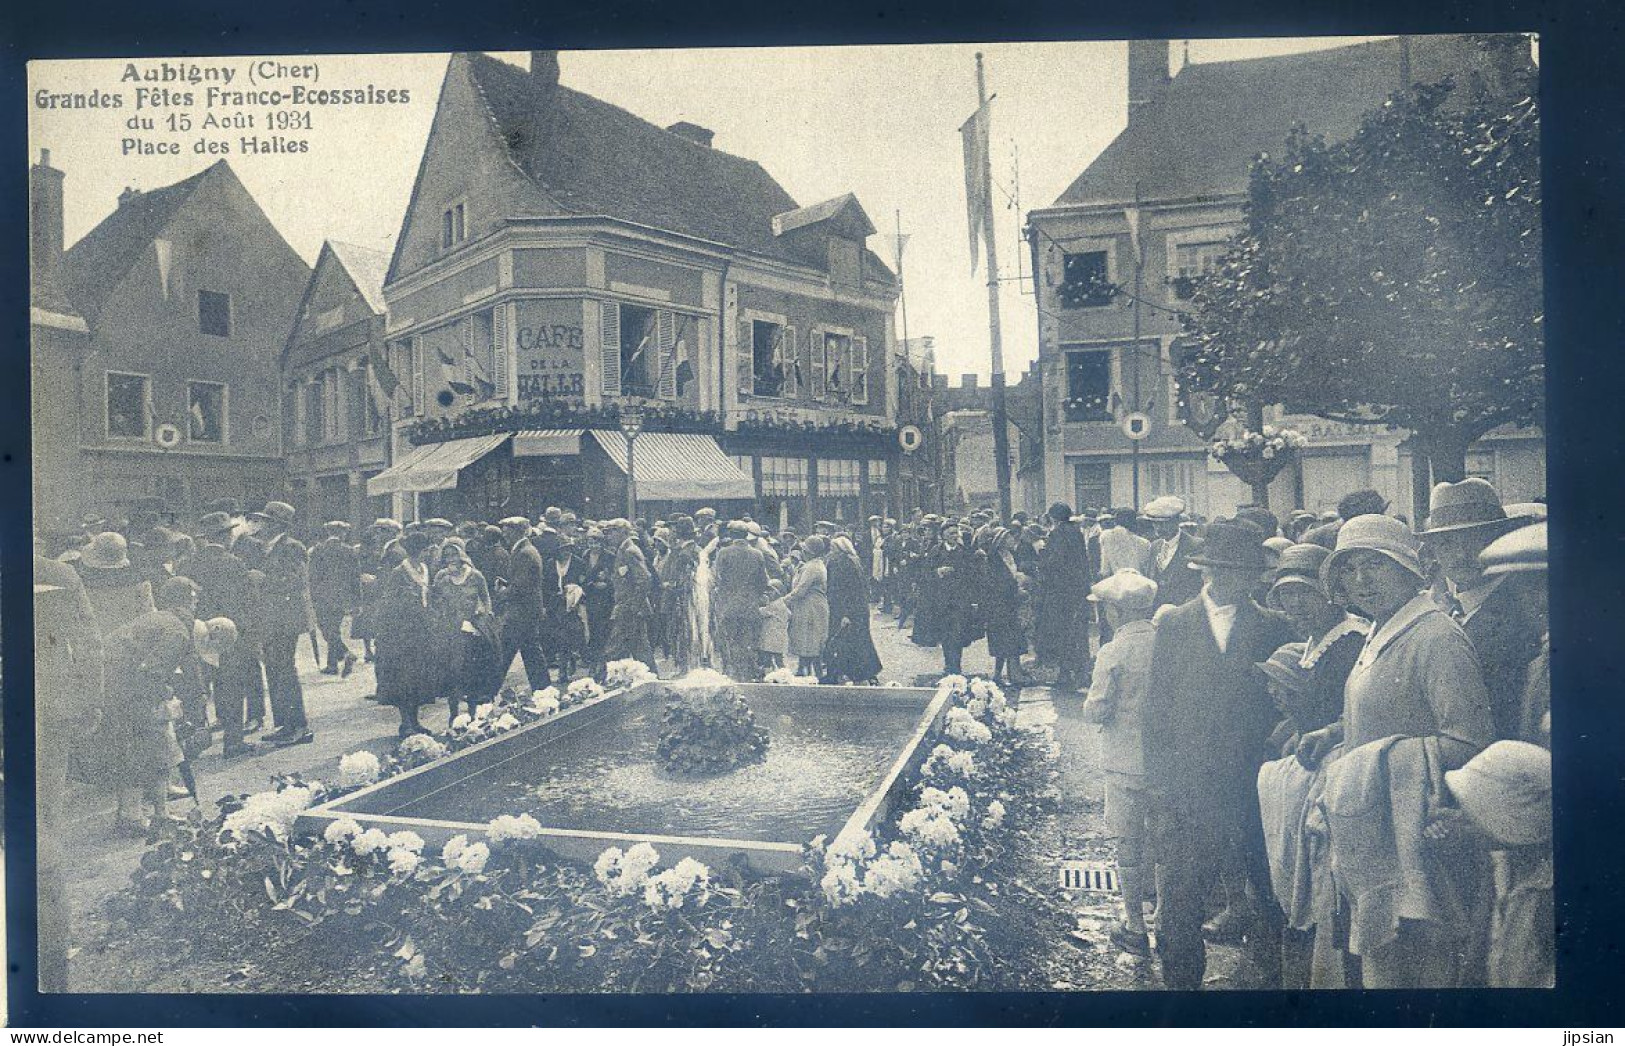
(838, 759)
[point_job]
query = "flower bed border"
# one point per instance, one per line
(586, 844)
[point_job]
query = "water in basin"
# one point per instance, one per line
(599, 772)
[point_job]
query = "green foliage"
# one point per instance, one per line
(709, 731)
(1392, 278)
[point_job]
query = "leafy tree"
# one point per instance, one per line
(1392, 278)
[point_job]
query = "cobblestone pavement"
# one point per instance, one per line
(343, 722)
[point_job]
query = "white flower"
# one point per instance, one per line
(403, 861)
(453, 849)
(422, 744)
(505, 722)
(854, 846)
(274, 812)
(945, 761)
(545, 702)
(471, 859)
(406, 841)
(955, 802)
(584, 689)
(781, 676)
(509, 827)
(898, 871)
(1007, 718)
(931, 828)
(370, 841)
(359, 768)
(840, 883)
(627, 672)
(462, 721)
(341, 831)
(962, 726)
(672, 887)
(954, 685)
(622, 873)
(483, 712)
(995, 815)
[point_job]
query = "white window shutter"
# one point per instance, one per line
(745, 355)
(819, 362)
(666, 344)
(610, 346)
(858, 370)
(419, 393)
(791, 387)
(499, 350)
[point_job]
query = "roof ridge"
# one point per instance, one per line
(1317, 52)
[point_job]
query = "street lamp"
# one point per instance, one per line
(631, 425)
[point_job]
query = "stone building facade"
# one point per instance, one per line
(561, 259)
(1152, 212)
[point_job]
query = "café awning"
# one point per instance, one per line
(536, 443)
(679, 466)
(433, 466)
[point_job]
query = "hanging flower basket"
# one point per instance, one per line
(1256, 458)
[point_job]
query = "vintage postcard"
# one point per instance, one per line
(1022, 517)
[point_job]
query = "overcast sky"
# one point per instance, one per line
(878, 121)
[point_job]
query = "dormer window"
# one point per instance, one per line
(453, 226)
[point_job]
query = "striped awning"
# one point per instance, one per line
(679, 466)
(536, 443)
(433, 466)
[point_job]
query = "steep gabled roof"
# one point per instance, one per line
(1201, 136)
(96, 265)
(595, 158)
(366, 268)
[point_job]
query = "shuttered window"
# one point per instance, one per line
(499, 351)
(610, 346)
(860, 369)
(666, 340)
(818, 363)
(419, 387)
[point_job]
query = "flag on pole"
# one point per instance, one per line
(685, 365)
(1132, 214)
(200, 423)
(384, 383)
(902, 241)
(973, 133)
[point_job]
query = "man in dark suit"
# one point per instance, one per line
(1064, 611)
(335, 590)
(1463, 519)
(1208, 718)
(224, 591)
(519, 605)
(633, 589)
(285, 597)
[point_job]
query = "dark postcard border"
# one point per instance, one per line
(1585, 289)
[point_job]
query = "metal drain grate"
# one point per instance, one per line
(1089, 876)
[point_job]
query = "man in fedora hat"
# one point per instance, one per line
(1208, 720)
(285, 594)
(1463, 520)
(1062, 624)
(335, 590)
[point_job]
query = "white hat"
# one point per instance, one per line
(1507, 790)
(1168, 507)
(1128, 588)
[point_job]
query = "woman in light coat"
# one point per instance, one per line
(809, 606)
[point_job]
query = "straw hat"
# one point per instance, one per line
(276, 512)
(1165, 509)
(106, 551)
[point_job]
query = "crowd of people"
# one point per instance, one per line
(1328, 733)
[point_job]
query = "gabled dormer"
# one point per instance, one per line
(829, 235)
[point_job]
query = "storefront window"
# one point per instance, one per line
(640, 364)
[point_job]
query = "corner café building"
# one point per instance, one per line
(561, 260)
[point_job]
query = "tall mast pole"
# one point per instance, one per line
(1134, 351)
(1001, 426)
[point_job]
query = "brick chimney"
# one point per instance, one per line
(44, 224)
(693, 132)
(130, 193)
(1147, 74)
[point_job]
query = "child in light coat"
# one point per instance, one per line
(774, 643)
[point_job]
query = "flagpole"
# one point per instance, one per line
(1001, 426)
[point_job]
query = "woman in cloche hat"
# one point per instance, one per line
(1417, 677)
